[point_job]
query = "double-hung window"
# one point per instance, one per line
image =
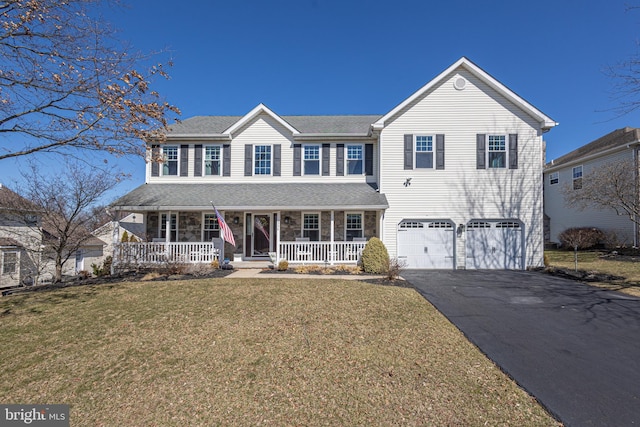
(354, 159)
(424, 151)
(170, 155)
(312, 160)
(353, 227)
(554, 178)
(9, 262)
(173, 235)
(311, 226)
(262, 160)
(210, 227)
(577, 177)
(497, 153)
(212, 160)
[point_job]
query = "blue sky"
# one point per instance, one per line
(357, 57)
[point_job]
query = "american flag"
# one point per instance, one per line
(227, 235)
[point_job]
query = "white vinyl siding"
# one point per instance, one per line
(562, 216)
(461, 192)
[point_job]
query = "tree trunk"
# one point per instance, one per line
(575, 257)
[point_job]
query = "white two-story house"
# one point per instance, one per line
(450, 178)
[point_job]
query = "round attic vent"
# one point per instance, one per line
(459, 83)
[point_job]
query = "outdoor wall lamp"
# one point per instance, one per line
(287, 219)
(236, 220)
(460, 229)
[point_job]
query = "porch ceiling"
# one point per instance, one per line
(243, 196)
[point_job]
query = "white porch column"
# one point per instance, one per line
(278, 215)
(333, 245)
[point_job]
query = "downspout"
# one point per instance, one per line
(637, 196)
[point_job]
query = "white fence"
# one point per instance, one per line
(321, 252)
(142, 253)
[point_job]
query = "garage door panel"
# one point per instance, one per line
(494, 245)
(426, 244)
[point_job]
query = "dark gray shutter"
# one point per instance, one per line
(297, 159)
(326, 153)
(440, 151)
(276, 159)
(368, 159)
(184, 160)
(513, 151)
(226, 160)
(155, 165)
(197, 160)
(480, 151)
(248, 159)
(408, 151)
(339, 159)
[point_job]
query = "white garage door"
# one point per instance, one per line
(426, 243)
(494, 245)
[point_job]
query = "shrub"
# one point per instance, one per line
(395, 267)
(375, 257)
(215, 264)
(581, 237)
(283, 265)
(104, 269)
(125, 236)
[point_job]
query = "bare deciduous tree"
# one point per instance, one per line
(66, 82)
(611, 186)
(66, 202)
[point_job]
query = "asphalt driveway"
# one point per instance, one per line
(574, 347)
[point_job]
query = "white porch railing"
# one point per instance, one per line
(141, 253)
(321, 252)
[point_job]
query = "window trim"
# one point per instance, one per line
(577, 181)
(505, 151)
(346, 223)
(554, 178)
(302, 225)
(255, 161)
(204, 159)
(432, 151)
(204, 230)
(165, 161)
(162, 223)
(346, 159)
(318, 159)
(16, 263)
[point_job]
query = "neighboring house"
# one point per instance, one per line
(113, 231)
(20, 240)
(450, 178)
(568, 173)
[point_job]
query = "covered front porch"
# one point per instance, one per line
(300, 223)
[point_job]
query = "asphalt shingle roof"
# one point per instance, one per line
(346, 124)
(611, 140)
(151, 197)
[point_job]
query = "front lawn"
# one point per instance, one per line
(606, 262)
(250, 352)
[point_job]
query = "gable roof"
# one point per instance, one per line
(619, 138)
(545, 121)
(12, 201)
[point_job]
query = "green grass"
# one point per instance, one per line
(250, 352)
(594, 261)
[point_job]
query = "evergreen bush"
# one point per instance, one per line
(375, 257)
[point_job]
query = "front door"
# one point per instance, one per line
(261, 235)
